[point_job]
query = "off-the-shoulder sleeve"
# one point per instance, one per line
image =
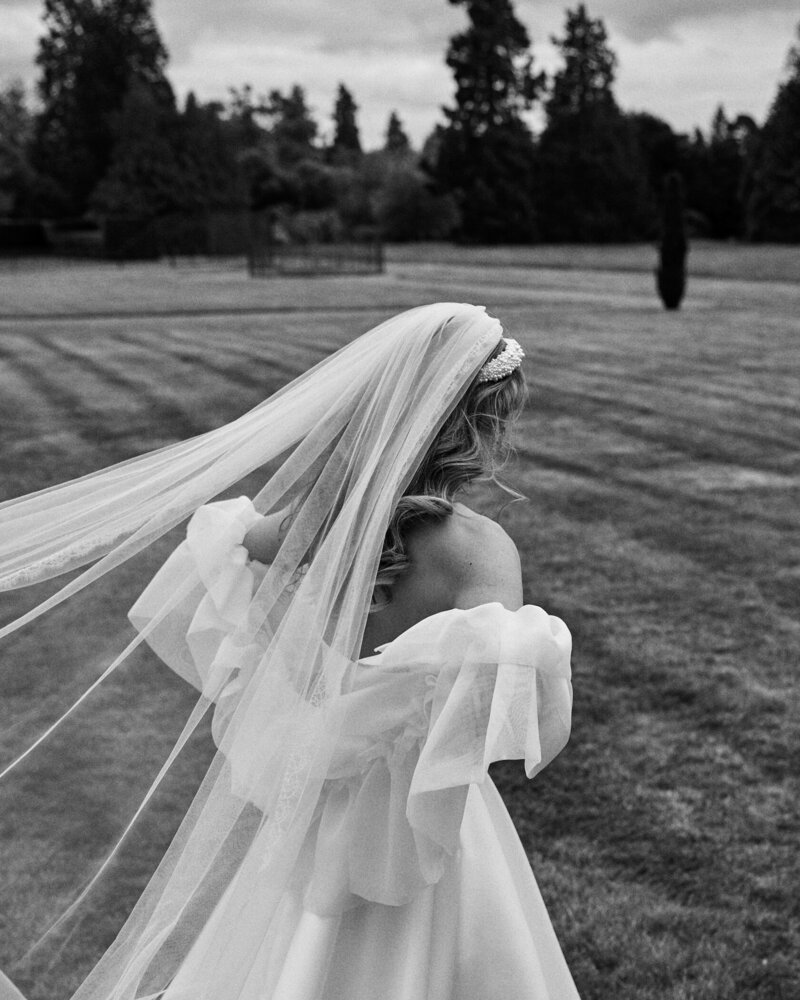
(423, 722)
(503, 692)
(213, 569)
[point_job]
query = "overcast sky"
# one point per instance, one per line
(678, 59)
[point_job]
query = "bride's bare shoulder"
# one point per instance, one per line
(469, 559)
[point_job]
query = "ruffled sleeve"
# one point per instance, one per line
(423, 721)
(503, 692)
(213, 569)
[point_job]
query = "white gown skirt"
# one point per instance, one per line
(481, 933)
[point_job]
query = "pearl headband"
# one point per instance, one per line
(507, 361)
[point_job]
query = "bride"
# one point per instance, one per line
(358, 638)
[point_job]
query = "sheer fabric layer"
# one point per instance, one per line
(411, 874)
(418, 722)
(338, 446)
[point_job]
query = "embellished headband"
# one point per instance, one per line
(507, 361)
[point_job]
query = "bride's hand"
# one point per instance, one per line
(264, 539)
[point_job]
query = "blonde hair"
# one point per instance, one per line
(471, 444)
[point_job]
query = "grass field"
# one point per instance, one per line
(661, 457)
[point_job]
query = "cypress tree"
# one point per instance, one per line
(671, 271)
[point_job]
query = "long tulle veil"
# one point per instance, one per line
(339, 444)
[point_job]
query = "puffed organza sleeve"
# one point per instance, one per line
(195, 638)
(422, 722)
(503, 692)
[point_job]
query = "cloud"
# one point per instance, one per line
(390, 55)
(677, 58)
(683, 78)
(413, 84)
(653, 19)
(353, 26)
(21, 27)
(646, 20)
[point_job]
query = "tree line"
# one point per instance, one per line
(108, 138)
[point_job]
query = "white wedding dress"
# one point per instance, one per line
(412, 883)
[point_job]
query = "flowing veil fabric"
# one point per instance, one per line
(339, 445)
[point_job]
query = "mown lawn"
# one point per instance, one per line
(707, 258)
(661, 457)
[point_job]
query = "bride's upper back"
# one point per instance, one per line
(462, 561)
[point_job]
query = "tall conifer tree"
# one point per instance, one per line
(397, 140)
(486, 151)
(584, 84)
(773, 209)
(715, 168)
(91, 54)
(16, 132)
(346, 138)
(292, 126)
(592, 179)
